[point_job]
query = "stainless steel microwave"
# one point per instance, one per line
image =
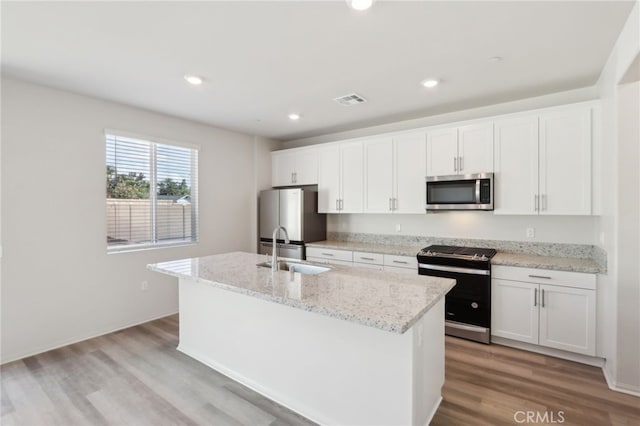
(460, 192)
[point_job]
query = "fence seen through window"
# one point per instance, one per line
(151, 193)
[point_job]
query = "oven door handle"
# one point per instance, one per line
(454, 269)
(466, 327)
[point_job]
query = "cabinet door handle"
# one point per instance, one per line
(539, 276)
(455, 164)
(544, 202)
(327, 254)
(395, 204)
(543, 297)
(390, 203)
(341, 204)
(535, 202)
(367, 258)
(400, 261)
(535, 297)
(460, 164)
(337, 204)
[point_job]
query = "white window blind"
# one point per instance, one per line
(152, 193)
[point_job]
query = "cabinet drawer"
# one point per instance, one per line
(371, 258)
(545, 276)
(330, 254)
(409, 262)
(328, 261)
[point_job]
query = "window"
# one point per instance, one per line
(152, 193)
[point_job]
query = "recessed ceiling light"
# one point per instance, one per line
(360, 4)
(430, 82)
(495, 58)
(294, 117)
(193, 79)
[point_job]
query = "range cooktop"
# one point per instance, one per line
(456, 252)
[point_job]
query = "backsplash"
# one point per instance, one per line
(581, 251)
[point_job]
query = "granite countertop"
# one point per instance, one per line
(523, 260)
(546, 262)
(385, 300)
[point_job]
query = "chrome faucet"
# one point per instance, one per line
(274, 254)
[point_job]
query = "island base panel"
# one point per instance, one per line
(329, 370)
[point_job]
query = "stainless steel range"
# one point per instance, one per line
(468, 304)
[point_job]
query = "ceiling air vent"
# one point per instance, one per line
(350, 99)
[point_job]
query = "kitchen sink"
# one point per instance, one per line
(302, 268)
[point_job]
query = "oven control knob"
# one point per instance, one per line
(475, 256)
(484, 257)
(474, 305)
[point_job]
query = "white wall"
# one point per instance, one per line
(58, 283)
(619, 287)
(262, 160)
(476, 225)
(628, 365)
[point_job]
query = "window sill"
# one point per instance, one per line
(147, 247)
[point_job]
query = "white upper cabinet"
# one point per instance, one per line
(282, 168)
(516, 165)
(340, 178)
(475, 148)
(352, 177)
(442, 152)
(541, 160)
(378, 175)
(410, 167)
(394, 174)
(329, 179)
(565, 162)
(543, 163)
(460, 150)
(294, 167)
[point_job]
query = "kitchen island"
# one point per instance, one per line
(347, 346)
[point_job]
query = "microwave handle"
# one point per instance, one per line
(477, 190)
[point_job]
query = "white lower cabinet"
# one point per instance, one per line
(556, 309)
(378, 261)
(513, 312)
(568, 319)
(325, 255)
(367, 260)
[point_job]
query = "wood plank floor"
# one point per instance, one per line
(498, 385)
(136, 377)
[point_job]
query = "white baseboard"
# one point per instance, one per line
(570, 356)
(620, 387)
(71, 341)
(583, 359)
(433, 412)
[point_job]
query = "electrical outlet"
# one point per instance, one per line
(398, 227)
(144, 286)
(531, 232)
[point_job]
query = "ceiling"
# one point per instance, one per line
(263, 60)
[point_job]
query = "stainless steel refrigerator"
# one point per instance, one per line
(297, 211)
